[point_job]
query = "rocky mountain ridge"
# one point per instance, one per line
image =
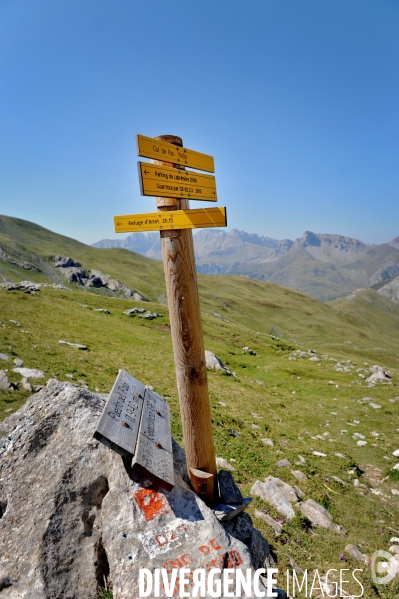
(324, 266)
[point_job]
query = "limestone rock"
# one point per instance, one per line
(18, 362)
(319, 516)
(25, 286)
(29, 373)
(378, 374)
(268, 442)
(247, 350)
(5, 357)
(301, 476)
(77, 345)
(133, 311)
(356, 554)
(212, 361)
(26, 385)
(85, 514)
(276, 526)
(65, 262)
(4, 382)
(283, 463)
(278, 494)
(222, 463)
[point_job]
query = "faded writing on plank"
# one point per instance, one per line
(120, 420)
(153, 457)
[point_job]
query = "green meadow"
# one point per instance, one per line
(304, 389)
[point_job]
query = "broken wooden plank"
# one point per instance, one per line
(203, 484)
(120, 420)
(154, 456)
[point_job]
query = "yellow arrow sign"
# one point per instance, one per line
(174, 219)
(167, 182)
(148, 147)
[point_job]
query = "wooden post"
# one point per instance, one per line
(188, 345)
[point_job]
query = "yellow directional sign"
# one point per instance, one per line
(167, 182)
(148, 147)
(174, 219)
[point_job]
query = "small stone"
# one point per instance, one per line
(396, 453)
(376, 406)
(29, 373)
(225, 512)
(268, 442)
(77, 345)
(276, 526)
(103, 310)
(301, 460)
(320, 454)
(26, 385)
(18, 362)
(255, 426)
(222, 463)
(301, 476)
(4, 382)
(283, 463)
(213, 362)
(4, 357)
(339, 455)
(278, 494)
(339, 480)
(355, 553)
(361, 443)
(221, 403)
(319, 516)
(394, 492)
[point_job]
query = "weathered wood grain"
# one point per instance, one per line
(153, 458)
(187, 339)
(119, 423)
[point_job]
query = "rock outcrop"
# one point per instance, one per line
(74, 273)
(74, 514)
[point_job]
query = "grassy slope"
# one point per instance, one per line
(29, 241)
(296, 400)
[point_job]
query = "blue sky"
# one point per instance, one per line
(296, 100)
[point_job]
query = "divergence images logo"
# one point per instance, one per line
(386, 567)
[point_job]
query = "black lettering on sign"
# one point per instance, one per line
(119, 423)
(154, 456)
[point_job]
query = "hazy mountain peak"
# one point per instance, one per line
(395, 243)
(339, 242)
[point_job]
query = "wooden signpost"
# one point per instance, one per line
(165, 151)
(176, 219)
(172, 185)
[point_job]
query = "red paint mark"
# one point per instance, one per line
(235, 559)
(214, 545)
(232, 559)
(151, 503)
(170, 535)
(180, 562)
(204, 549)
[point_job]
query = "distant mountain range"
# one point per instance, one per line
(323, 266)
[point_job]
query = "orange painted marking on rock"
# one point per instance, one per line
(151, 503)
